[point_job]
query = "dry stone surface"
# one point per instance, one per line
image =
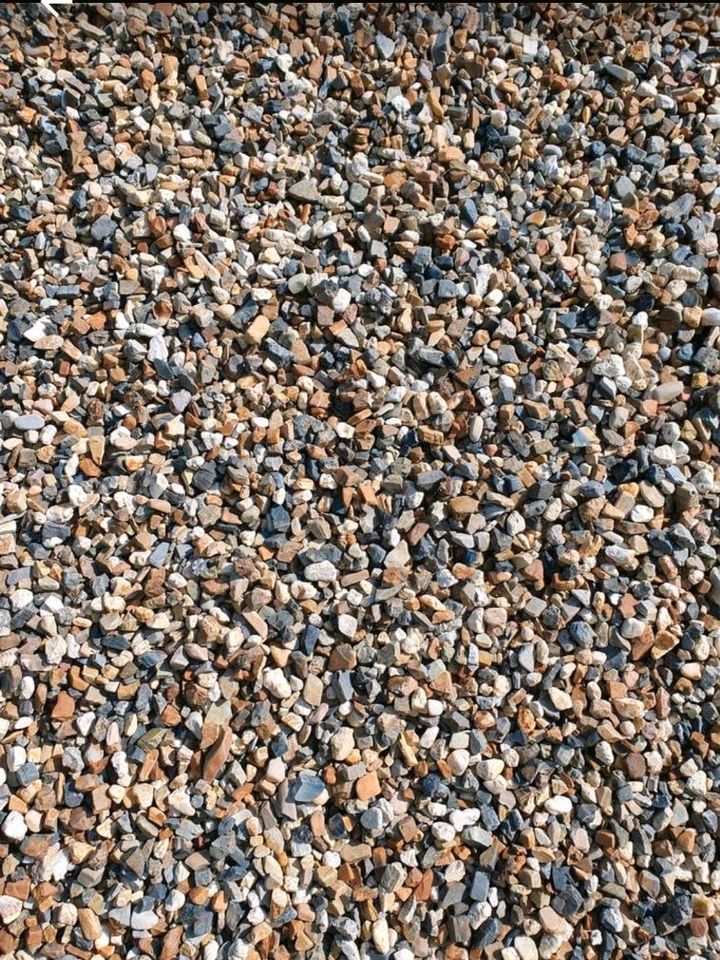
(359, 481)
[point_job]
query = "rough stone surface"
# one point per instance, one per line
(359, 481)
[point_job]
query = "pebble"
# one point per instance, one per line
(14, 826)
(29, 421)
(321, 571)
(277, 684)
(381, 935)
(559, 805)
(526, 948)
(10, 908)
(347, 625)
(490, 770)
(459, 761)
(342, 743)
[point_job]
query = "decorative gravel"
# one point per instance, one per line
(359, 481)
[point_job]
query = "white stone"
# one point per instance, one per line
(157, 348)
(515, 523)
(490, 769)
(347, 625)
(381, 935)
(182, 232)
(460, 819)
(14, 826)
(611, 367)
(459, 761)
(35, 332)
(341, 301)
(19, 599)
(55, 648)
(526, 948)
(664, 455)
(179, 801)
(76, 495)
(323, 570)
(398, 556)
(55, 864)
(10, 908)
(697, 784)
(557, 806)
(67, 914)
(144, 920)
(560, 699)
(444, 834)
(15, 757)
(276, 770)
(342, 743)
(174, 901)
(276, 682)
(632, 628)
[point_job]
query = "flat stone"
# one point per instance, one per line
(29, 421)
(305, 190)
(321, 571)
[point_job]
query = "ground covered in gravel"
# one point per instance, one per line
(359, 481)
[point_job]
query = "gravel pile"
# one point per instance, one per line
(359, 481)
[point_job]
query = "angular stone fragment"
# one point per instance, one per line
(10, 909)
(463, 506)
(308, 788)
(217, 755)
(305, 190)
(321, 571)
(257, 329)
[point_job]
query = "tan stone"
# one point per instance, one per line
(257, 329)
(463, 506)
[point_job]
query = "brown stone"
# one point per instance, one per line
(553, 923)
(89, 923)
(636, 766)
(171, 942)
(463, 506)
(64, 707)
(217, 754)
(342, 657)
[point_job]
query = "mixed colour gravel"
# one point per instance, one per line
(359, 481)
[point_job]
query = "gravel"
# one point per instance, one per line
(359, 481)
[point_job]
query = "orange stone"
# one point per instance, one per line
(171, 943)
(368, 786)
(64, 707)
